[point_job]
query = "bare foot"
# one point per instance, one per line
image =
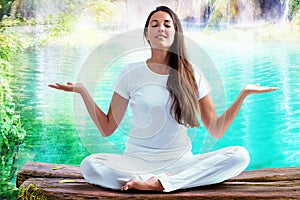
(152, 183)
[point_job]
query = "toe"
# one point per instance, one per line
(127, 185)
(124, 187)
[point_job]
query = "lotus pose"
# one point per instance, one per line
(166, 94)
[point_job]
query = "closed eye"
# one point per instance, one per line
(166, 25)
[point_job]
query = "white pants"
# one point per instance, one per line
(113, 171)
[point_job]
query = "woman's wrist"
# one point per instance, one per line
(79, 88)
(243, 94)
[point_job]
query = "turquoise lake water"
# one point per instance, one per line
(268, 125)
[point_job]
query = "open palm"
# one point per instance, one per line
(256, 88)
(69, 87)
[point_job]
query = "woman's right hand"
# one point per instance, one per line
(69, 87)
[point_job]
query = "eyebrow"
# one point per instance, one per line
(155, 20)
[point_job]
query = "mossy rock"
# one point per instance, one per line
(31, 192)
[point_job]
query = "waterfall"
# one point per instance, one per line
(285, 12)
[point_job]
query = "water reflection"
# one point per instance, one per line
(47, 114)
(268, 124)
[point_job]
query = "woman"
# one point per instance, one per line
(166, 94)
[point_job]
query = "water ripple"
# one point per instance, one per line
(268, 125)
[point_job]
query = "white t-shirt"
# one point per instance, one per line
(155, 132)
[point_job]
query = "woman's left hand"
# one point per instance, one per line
(256, 89)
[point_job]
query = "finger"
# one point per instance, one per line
(273, 88)
(53, 86)
(58, 84)
(269, 88)
(69, 83)
(61, 86)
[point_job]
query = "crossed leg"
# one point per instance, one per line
(210, 168)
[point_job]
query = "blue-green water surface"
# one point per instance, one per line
(268, 125)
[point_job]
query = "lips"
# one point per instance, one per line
(160, 36)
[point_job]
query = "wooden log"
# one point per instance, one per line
(39, 169)
(274, 174)
(79, 189)
(49, 179)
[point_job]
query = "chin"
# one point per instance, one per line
(162, 47)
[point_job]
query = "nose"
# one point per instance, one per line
(161, 28)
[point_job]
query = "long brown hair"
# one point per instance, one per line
(181, 81)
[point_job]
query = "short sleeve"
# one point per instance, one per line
(121, 85)
(203, 85)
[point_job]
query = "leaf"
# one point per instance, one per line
(66, 181)
(57, 167)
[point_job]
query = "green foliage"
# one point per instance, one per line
(5, 6)
(12, 132)
(293, 8)
(294, 12)
(59, 25)
(104, 10)
(9, 22)
(9, 44)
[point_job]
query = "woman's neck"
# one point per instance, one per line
(159, 56)
(159, 61)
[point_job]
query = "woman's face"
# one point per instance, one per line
(161, 31)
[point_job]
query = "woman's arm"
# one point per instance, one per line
(217, 126)
(106, 123)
